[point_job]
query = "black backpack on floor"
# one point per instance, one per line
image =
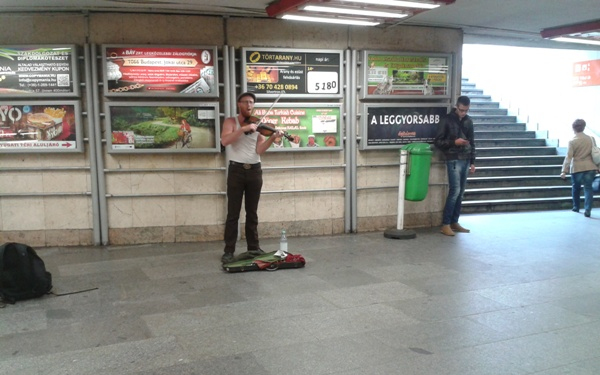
(23, 274)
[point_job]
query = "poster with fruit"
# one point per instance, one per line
(415, 76)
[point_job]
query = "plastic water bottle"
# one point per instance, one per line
(283, 244)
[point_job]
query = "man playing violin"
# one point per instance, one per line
(243, 147)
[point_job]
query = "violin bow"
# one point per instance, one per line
(270, 108)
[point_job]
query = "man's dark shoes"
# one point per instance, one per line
(588, 213)
(227, 258)
(575, 209)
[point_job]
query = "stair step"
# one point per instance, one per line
(517, 192)
(481, 98)
(515, 181)
(524, 170)
(512, 126)
(487, 111)
(510, 142)
(475, 105)
(498, 134)
(519, 160)
(514, 151)
(492, 118)
(470, 91)
(511, 205)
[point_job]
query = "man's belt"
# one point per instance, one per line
(245, 165)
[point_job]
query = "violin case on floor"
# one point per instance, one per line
(272, 261)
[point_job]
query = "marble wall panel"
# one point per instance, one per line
(120, 212)
(199, 210)
(152, 183)
(23, 214)
(118, 183)
(69, 212)
(66, 182)
(159, 211)
(199, 182)
(117, 161)
(21, 182)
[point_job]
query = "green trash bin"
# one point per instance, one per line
(417, 172)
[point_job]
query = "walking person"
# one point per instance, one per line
(455, 138)
(579, 163)
(243, 147)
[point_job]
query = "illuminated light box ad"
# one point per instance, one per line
(160, 71)
(390, 75)
(40, 126)
(309, 127)
(158, 127)
(269, 72)
(391, 126)
(586, 73)
(38, 71)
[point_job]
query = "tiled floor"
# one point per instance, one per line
(518, 295)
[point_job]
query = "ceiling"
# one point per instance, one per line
(502, 22)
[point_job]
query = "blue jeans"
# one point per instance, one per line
(577, 179)
(457, 182)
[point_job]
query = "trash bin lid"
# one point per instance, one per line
(418, 148)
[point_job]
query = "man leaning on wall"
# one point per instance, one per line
(455, 138)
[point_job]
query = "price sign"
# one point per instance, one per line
(322, 82)
(294, 73)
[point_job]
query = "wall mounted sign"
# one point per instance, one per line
(38, 126)
(160, 71)
(391, 126)
(298, 73)
(389, 75)
(586, 73)
(38, 71)
(310, 127)
(162, 127)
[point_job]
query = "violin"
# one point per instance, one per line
(263, 129)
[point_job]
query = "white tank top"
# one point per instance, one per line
(243, 150)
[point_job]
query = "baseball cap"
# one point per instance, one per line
(246, 94)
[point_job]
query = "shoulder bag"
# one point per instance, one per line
(595, 153)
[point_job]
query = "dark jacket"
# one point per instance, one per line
(449, 129)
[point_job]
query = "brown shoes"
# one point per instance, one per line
(446, 230)
(459, 228)
(450, 230)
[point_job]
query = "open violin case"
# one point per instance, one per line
(272, 261)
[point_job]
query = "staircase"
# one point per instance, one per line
(515, 170)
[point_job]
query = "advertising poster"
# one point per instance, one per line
(586, 73)
(160, 71)
(38, 71)
(299, 73)
(158, 127)
(308, 127)
(40, 126)
(406, 75)
(388, 126)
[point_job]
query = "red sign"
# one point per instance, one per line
(160, 71)
(586, 73)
